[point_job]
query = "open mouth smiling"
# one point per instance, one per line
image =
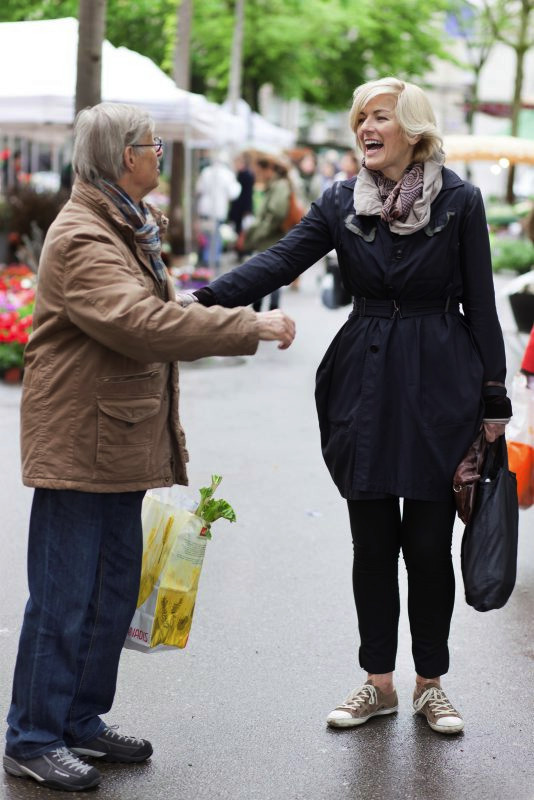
(372, 145)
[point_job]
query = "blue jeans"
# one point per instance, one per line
(84, 564)
(213, 247)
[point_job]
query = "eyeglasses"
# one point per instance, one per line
(157, 143)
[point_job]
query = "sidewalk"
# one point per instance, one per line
(240, 713)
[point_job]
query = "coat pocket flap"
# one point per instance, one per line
(438, 223)
(368, 234)
(131, 409)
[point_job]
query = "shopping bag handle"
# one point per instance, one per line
(496, 459)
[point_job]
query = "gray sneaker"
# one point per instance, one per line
(58, 769)
(113, 746)
(362, 704)
(432, 703)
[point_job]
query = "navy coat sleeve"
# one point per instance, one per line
(478, 299)
(278, 266)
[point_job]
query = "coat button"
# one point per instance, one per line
(398, 254)
(374, 348)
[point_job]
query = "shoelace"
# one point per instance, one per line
(68, 759)
(121, 737)
(359, 696)
(438, 702)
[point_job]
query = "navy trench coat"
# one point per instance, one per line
(399, 396)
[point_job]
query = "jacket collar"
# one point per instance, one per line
(87, 194)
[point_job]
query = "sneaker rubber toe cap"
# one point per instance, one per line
(449, 724)
(338, 715)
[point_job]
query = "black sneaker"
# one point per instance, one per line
(111, 745)
(58, 769)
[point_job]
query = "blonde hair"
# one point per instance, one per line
(413, 112)
(101, 134)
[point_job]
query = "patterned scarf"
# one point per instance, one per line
(398, 197)
(145, 229)
(410, 197)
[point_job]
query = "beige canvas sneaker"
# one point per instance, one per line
(362, 704)
(431, 702)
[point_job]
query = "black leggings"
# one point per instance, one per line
(425, 536)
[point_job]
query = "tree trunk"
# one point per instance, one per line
(182, 79)
(236, 59)
(182, 61)
(521, 48)
(471, 111)
(91, 32)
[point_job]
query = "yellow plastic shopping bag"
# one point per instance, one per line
(174, 544)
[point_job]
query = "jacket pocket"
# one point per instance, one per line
(126, 435)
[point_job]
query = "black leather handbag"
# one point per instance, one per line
(489, 544)
(467, 476)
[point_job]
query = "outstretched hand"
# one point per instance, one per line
(275, 325)
(185, 299)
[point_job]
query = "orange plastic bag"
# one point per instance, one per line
(521, 461)
(520, 440)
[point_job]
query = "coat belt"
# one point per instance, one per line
(389, 309)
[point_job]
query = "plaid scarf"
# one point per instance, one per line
(398, 197)
(145, 229)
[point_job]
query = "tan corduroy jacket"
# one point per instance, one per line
(100, 394)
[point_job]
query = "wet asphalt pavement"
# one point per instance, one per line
(239, 714)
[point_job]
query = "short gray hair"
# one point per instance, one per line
(100, 135)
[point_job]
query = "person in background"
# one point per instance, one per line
(327, 170)
(100, 426)
(307, 179)
(271, 173)
(242, 206)
(216, 187)
(348, 166)
(407, 382)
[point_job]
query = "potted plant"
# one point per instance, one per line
(17, 297)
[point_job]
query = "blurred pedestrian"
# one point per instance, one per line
(348, 166)
(407, 382)
(242, 206)
(216, 187)
(100, 425)
(271, 173)
(307, 179)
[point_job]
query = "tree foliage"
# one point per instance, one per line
(316, 50)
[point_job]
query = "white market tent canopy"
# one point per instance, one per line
(37, 89)
(489, 148)
(259, 132)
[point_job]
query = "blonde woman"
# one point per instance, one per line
(407, 381)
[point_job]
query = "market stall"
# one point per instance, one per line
(37, 102)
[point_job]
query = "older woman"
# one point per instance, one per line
(100, 425)
(407, 381)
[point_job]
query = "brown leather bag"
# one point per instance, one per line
(467, 476)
